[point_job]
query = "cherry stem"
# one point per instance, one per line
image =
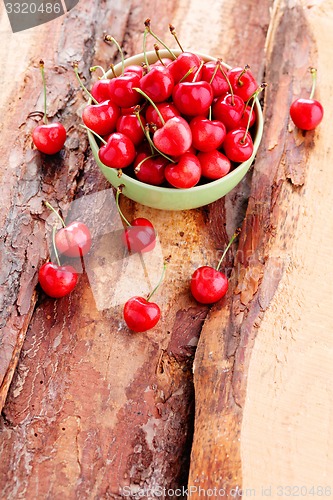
(113, 71)
(187, 74)
(137, 114)
(160, 281)
(254, 97)
(148, 29)
(111, 39)
(145, 50)
(198, 72)
(54, 245)
(76, 71)
(157, 49)
(93, 68)
(174, 34)
(313, 72)
(118, 193)
(48, 205)
(151, 102)
(214, 72)
(239, 81)
(228, 82)
(138, 167)
(234, 236)
(41, 66)
(210, 113)
(98, 136)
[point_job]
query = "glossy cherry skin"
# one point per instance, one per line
(245, 117)
(122, 91)
(245, 86)
(208, 285)
(151, 170)
(193, 98)
(306, 113)
(185, 173)
(214, 164)
(73, 240)
(219, 83)
(118, 152)
(207, 135)
(57, 281)
(50, 138)
(229, 111)
(134, 68)
(167, 110)
(101, 118)
(129, 125)
(101, 90)
(184, 62)
(174, 138)
(141, 315)
(157, 84)
(236, 147)
(140, 236)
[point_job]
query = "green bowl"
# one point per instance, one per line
(166, 198)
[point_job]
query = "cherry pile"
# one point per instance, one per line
(177, 122)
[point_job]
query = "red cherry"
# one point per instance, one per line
(193, 98)
(157, 84)
(57, 281)
(50, 138)
(141, 315)
(167, 110)
(118, 152)
(165, 61)
(151, 170)
(140, 236)
(243, 122)
(184, 62)
(101, 118)
(185, 173)
(219, 83)
(73, 240)
(101, 90)
(214, 164)
(208, 285)
(243, 82)
(129, 125)
(238, 145)
(122, 91)
(228, 109)
(174, 138)
(134, 68)
(307, 113)
(207, 135)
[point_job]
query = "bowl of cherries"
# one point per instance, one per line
(176, 130)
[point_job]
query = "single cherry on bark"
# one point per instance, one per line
(73, 240)
(208, 284)
(307, 113)
(139, 235)
(48, 138)
(140, 314)
(57, 280)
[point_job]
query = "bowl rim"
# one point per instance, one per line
(152, 57)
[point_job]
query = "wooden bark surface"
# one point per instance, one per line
(92, 408)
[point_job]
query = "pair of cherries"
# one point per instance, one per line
(72, 241)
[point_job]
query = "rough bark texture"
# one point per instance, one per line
(92, 408)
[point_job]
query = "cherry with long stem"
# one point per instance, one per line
(174, 34)
(111, 39)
